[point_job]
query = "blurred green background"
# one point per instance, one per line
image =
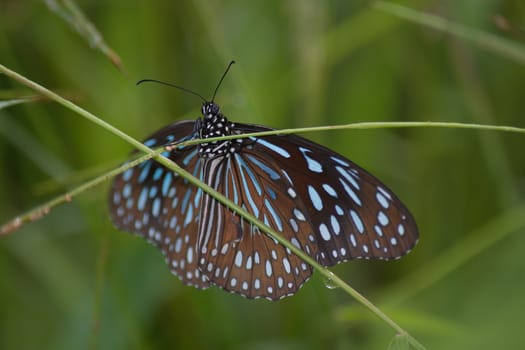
(71, 281)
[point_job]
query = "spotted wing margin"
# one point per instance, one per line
(352, 213)
(154, 202)
(234, 254)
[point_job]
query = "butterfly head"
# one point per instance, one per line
(210, 110)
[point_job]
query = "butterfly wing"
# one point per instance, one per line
(154, 202)
(234, 254)
(352, 214)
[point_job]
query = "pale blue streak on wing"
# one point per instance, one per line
(166, 183)
(274, 175)
(145, 171)
(271, 193)
(252, 176)
(185, 200)
(126, 176)
(190, 156)
(247, 192)
(350, 192)
(141, 204)
(234, 188)
(158, 174)
(153, 191)
(197, 197)
(150, 142)
(276, 217)
(198, 194)
(279, 150)
(189, 216)
(340, 161)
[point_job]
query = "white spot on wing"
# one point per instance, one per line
(381, 199)
(313, 165)
(353, 240)
(238, 259)
(299, 215)
(286, 265)
(315, 198)
(189, 255)
(325, 234)
(233, 282)
(330, 190)
(357, 221)
(382, 218)
(249, 263)
(268, 269)
(378, 230)
(335, 224)
(401, 229)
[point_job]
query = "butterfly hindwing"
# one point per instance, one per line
(238, 256)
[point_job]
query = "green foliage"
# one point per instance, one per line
(71, 280)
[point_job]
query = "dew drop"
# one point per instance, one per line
(329, 282)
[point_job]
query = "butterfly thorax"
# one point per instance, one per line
(215, 124)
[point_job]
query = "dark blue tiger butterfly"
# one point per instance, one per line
(321, 202)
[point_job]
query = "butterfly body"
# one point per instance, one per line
(321, 202)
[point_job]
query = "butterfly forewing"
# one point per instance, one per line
(352, 213)
(156, 203)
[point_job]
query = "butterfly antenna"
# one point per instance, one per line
(172, 85)
(220, 81)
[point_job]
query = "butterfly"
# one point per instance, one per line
(320, 201)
